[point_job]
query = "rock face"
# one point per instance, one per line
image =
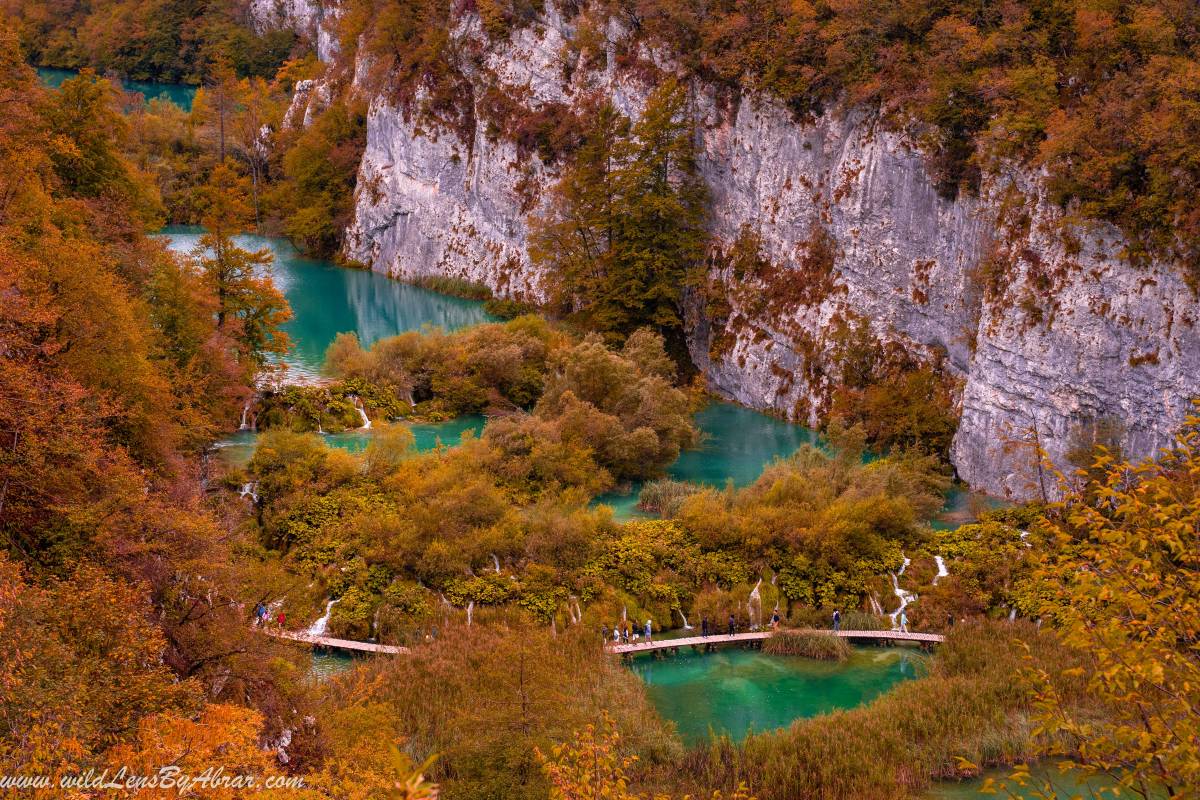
(845, 211)
(306, 17)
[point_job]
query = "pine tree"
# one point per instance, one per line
(626, 225)
(249, 307)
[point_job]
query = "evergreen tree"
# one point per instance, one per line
(249, 307)
(626, 225)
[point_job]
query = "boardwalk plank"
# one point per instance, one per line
(758, 636)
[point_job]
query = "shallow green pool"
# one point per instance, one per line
(180, 94)
(1065, 784)
(738, 442)
(735, 691)
(237, 448)
(327, 663)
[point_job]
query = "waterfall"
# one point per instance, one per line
(942, 571)
(318, 627)
(624, 613)
(244, 425)
(686, 627)
(578, 613)
(905, 597)
(411, 404)
(248, 490)
(1012, 614)
(875, 607)
(755, 596)
(470, 611)
(362, 412)
(496, 563)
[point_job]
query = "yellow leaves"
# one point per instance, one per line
(1123, 590)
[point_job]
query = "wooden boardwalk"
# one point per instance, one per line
(758, 636)
(340, 644)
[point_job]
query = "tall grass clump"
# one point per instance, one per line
(821, 646)
(458, 287)
(665, 496)
(971, 705)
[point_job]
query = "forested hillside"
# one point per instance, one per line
(155, 40)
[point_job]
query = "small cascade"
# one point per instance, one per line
(686, 627)
(1012, 614)
(905, 596)
(942, 571)
(244, 425)
(470, 611)
(578, 613)
(375, 622)
(318, 627)
(496, 563)
(876, 609)
(411, 403)
(755, 597)
(362, 412)
(249, 490)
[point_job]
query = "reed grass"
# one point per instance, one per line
(666, 496)
(458, 287)
(820, 646)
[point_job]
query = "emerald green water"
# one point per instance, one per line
(734, 692)
(327, 663)
(737, 443)
(237, 448)
(327, 300)
(177, 93)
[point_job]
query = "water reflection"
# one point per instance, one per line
(327, 300)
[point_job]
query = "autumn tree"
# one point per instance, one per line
(86, 150)
(626, 223)
(249, 305)
(315, 195)
(1122, 584)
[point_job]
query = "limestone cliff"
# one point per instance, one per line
(1068, 334)
(308, 18)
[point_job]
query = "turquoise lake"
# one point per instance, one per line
(733, 692)
(180, 94)
(737, 444)
(327, 300)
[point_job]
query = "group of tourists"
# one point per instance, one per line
(262, 616)
(624, 633)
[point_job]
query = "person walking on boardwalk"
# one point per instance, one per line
(775, 620)
(260, 611)
(616, 635)
(648, 629)
(732, 625)
(903, 621)
(625, 634)
(704, 626)
(280, 620)
(837, 619)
